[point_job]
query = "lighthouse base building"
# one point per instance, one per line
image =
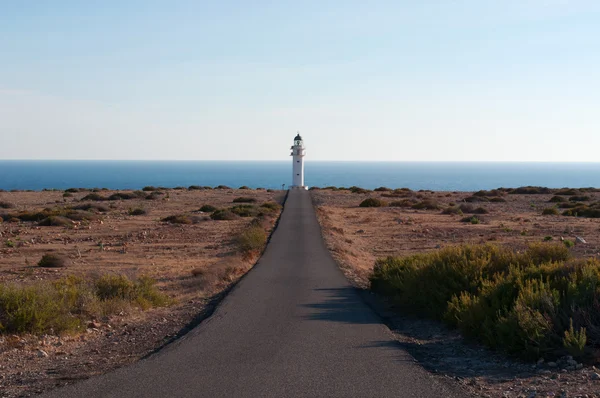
(298, 152)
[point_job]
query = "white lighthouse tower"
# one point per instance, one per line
(298, 165)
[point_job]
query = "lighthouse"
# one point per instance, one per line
(298, 163)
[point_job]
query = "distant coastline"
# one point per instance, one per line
(437, 176)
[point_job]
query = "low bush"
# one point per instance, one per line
(580, 198)
(557, 199)
(497, 199)
(581, 210)
(403, 203)
(72, 190)
(52, 261)
(426, 205)
(178, 219)
(56, 221)
(373, 202)
(532, 304)
(67, 304)
(195, 188)
(244, 187)
(471, 219)
(245, 210)
(127, 195)
(6, 205)
(154, 195)
(550, 211)
(138, 211)
(469, 209)
(92, 206)
(244, 199)
(493, 192)
(222, 187)
(529, 190)
(382, 189)
(452, 210)
(67, 195)
(223, 215)
(270, 207)
(354, 189)
(252, 240)
(94, 196)
(567, 192)
(149, 189)
(208, 209)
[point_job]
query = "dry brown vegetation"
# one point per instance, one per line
(151, 235)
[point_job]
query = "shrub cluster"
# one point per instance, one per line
(581, 210)
(521, 303)
(244, 199)
(65, 305)
(373, 202)
(53, 217)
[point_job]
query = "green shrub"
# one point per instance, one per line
(223, 215)
(470, 209)
(67, 195)
(222, 187)
(245, 210)
(519, 303)
(373, 202)
(452, 210)
(497, 200)
(426, 205)
(244, 199)
(252, 240)
(567, 192)
(382, 189)
(550, 211)
(270, 207)
(244, 187)
(195, 188)
(94, 196)
(471, 219)
(557, 199)
(149, 189)
(208, 209)
(574, 341)
(568, 243)
(72, 190)
(52, 261)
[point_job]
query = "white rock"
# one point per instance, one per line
(42, 353)
(595, 376)
(579, 239)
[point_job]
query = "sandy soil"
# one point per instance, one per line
(124, 244)
(358, 236)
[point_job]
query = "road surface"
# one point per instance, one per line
(293, 327)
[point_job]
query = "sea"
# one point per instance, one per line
(438, 176)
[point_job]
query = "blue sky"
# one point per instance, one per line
(234, 80)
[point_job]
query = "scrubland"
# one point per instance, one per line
(94, 279)
(512, 270)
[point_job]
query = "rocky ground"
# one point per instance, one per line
(193, 263)
(358, 236)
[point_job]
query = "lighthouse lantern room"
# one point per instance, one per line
(298, 163)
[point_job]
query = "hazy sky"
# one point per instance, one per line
(361, 80)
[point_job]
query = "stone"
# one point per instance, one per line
(42, 354)
(595, 376)
(571, 362)
(552, 364)
(579, 366)
(580, 240)
(94, 325)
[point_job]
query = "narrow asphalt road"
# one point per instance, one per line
(293, 327)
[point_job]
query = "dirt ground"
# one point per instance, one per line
(358, 236)
(119, 243)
